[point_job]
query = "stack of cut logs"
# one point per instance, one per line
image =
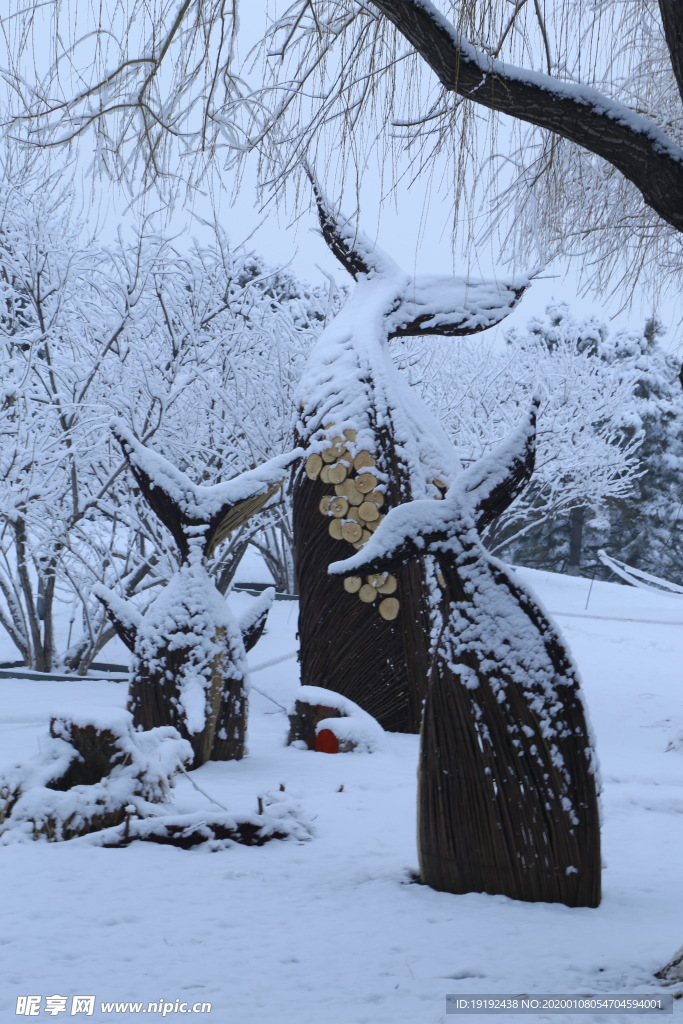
(354, 513)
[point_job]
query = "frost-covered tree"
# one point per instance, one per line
(588, 432)
(378, 447)
(507, 780)
(65, 314)
(594, 90)
(646, 529)
(199, 350)
(609, 451)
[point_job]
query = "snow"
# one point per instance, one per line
(189, 615)
(197, 501)
(143, 772)
(333, 928)
(355, 726)
(582, 95)
(351, 381)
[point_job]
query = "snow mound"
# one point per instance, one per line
(91, 772)
(354, 728)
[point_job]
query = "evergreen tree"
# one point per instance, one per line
(647, 530)
(645, 527)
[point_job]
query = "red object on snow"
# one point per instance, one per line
(326, 742)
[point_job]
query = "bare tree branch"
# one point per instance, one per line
(629, 141)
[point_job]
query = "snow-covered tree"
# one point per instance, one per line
(609, 440)
(64, 319)
(594, 88)
(199, 350)
(646, 529)
(587, 437)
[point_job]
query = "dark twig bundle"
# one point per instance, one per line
(368, 638)
(347, 645)
(189, 667)
(507, 797)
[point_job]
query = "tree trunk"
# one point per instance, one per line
(576, 522)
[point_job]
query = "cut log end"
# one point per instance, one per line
(389, 608)
(338, 507)
(335, 529)
(368, 512)
(314, 464)
(366, 482)
(364, 460)
(347, 489)
(367, 594)
(352, 532)
(337, 473)
(383, 582)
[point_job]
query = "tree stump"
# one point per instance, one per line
(90, 775)
(331, 723)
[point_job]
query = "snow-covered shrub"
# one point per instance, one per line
(92, 772)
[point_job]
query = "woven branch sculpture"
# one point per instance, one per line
(379, 447)
(507, 799)
(188, 649)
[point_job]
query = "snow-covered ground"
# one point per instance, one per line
(335, 930)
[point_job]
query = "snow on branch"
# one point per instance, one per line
(444, 306)
(182, 505)
(252, 622)
(123, 615)
(354, 250)
(501, 475)
(455, 306)
(629, 141)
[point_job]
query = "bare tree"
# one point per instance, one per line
(340, 76)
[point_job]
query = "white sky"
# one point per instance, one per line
(419, 240)
(417, 235)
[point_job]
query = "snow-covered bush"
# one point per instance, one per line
(91, 773)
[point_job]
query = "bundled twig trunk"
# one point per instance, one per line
(188, 650)
(368, 638)
(507, 799)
